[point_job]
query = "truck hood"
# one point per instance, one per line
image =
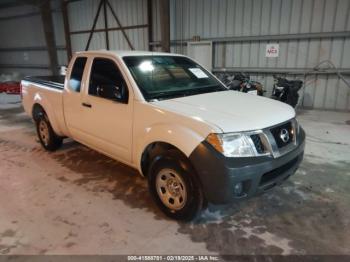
(230, 111)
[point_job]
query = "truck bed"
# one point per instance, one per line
(49, 81)
(48, 92)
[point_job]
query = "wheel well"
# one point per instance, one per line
(152, 150)
(37, 111)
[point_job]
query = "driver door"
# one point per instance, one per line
(107, 117)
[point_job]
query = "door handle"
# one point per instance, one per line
(86, 105)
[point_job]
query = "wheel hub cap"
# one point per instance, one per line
(171, 189)
(44, 132)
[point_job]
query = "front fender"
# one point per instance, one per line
(185, 139)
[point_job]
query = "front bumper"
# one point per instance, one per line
(218, 174)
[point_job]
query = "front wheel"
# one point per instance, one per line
(47, 137)
(174, 186)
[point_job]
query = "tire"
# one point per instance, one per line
(174, 186)
(47, 137)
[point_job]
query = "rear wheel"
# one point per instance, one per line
(47, 137)
(175, 187)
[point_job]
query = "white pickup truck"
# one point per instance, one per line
(172, 120)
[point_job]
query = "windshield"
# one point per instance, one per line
(165, 77)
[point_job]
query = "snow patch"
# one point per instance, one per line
(329, 190)
(268, 238)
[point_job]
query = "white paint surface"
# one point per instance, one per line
(272, 50)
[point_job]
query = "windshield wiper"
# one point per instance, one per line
(189, 92)
(203, 90)
(163, 95)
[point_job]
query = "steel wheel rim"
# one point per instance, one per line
(171, 189)
(44, 132)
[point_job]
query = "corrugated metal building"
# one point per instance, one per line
(22, 46)
(307, 31)
(129, 12)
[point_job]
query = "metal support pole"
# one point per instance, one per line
(120, 25)
(66, 28)
(5, 18)
(46, 16)
(109, 29)
(150, 24)
(29, 48)
(106, 23)
(165, 24)
(94, 25)
(289, 71)
(259, 38)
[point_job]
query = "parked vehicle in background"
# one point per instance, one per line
(242, 82)
(195, 140)
(286, 91)
(10, 83)
(10, 88)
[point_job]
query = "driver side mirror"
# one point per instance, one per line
(118, 93)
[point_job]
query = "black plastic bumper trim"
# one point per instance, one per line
(218, 174)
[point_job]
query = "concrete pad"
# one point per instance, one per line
(77, 201)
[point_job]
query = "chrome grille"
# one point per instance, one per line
(277, 131)
(258, 143)
(267, 141)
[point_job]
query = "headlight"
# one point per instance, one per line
(232, 145)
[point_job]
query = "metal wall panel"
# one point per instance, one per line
(27, 32)
(21, 32)
(17, 10)
(59, 32)
(129, 12)
(233, 18)
(81, 15)
(156, 20)
(209, 19)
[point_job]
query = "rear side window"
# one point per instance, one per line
(77, 74)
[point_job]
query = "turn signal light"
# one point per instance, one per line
(215, 141)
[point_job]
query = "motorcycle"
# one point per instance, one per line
(242, 82)
(286, 91)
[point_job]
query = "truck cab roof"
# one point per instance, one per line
(122, 53)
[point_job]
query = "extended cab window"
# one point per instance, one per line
(77, 74)
(106, 80)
